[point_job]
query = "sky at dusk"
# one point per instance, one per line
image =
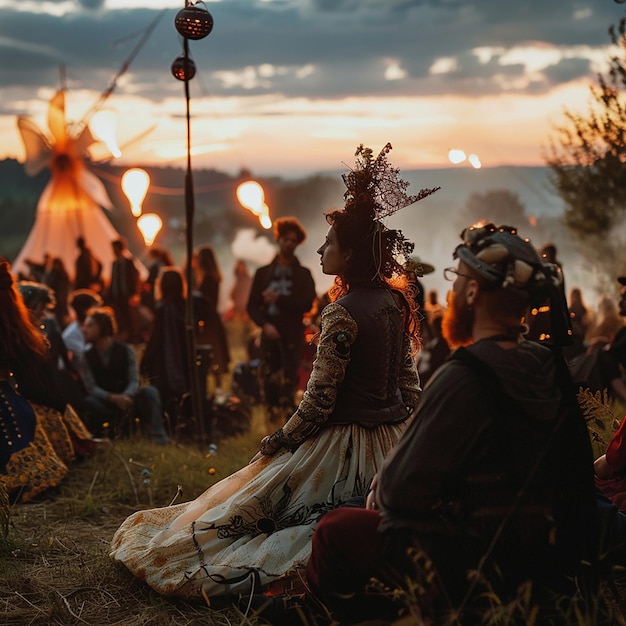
(290, 87)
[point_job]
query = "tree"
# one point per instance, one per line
(587, 159)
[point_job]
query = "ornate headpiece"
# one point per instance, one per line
(504, 260)
(375, 191)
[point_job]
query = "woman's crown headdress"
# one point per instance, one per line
(376, 191)
(376, 185)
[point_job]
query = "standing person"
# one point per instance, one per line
(607, 322)
(124, 290)
(207, 278)
(495, 472)
(59, 281)
(41, 434)
(581, 320)
(87, 269)
(112, 381)
(240, 292)
(255, 526)
(165, 360)
(158, 258)
(282, 292)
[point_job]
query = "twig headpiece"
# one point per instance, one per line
(375, 185)
(376, 191)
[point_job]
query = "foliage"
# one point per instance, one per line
(600, 415)
(587, 158)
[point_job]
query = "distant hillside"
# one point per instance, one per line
(433, 223)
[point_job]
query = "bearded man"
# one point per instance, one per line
(495, 473)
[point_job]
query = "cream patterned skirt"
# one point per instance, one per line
(254, 526)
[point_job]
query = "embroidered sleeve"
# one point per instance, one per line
(338, 333)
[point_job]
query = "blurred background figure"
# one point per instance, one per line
(606, 324)
(240, 292)
(124, 292)
(37, 269)
(282, 292)
(434, 352)
(207, 278)
(165, 361)
(581, 318)
(42, 435)
(80, 302)
(87, 268)
(57, 278)
(158, 258)
(415, 269)
(115, 399)
(40, 302)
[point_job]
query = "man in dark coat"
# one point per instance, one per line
(282, 292)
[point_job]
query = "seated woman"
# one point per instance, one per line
(41, 434)
(254, 527)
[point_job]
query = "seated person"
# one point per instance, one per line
(112, 380)
(81, 301)
(40, 302)
(493, 475)
(41, 433)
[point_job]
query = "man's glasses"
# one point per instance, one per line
(451, 274)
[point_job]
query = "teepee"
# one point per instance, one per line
(71, 204)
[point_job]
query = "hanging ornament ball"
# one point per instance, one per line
(194, 22)
(180, 70)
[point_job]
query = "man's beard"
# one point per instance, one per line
(458, 321)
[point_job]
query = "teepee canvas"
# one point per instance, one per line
(72, 202)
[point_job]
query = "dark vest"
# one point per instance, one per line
(114, 376)
(369, 393)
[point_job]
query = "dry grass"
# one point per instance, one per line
(54, 565)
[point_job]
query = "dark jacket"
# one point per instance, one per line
(474, 444)
(290, 308)
(114, 376)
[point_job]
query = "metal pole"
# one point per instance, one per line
(197, 401)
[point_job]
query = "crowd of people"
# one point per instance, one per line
(437, 443)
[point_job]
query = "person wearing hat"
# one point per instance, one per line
(416, 269)
(495, 472)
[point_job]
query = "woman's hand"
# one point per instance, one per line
(259, 454)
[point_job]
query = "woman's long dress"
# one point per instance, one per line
(256, 525)
(37, 444)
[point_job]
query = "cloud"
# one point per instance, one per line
(319, 48)
(300, 61)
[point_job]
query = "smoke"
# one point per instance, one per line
(253, 248)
